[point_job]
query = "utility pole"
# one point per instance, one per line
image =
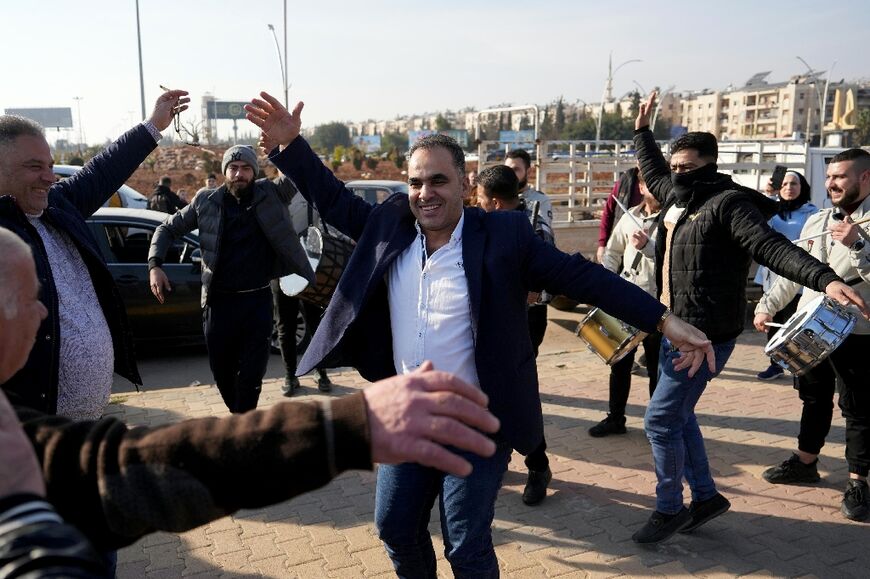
(141, 75)
(79, 115)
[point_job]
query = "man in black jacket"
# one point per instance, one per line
(85, 335)
(164, 199)
(247, 239)
(709, 231)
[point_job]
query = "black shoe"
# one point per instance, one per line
(661, 526)
(704, 511)
(536, 486)
(856, 500)
(610, 425)
(792, 471)
(773, 372)
(324, 384)
(291, 385)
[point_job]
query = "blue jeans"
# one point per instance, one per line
(673, 432)
(405, 496)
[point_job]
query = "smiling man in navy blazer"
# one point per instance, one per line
(429, 280)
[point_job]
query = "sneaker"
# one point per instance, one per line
(536, 486)
(773, 372)
(661, 526)
(856, 500)
(291, 385)
(792, 471)
(704, 511)
(324, 384)
(610, 425)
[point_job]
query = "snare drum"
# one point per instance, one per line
(810, 335)
(611, 339)
(328, 255)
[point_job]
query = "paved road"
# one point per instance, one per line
(602, 489)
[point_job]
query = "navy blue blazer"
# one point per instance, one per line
(503, 260)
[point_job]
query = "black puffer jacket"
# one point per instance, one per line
(723, 228)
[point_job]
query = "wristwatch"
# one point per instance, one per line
(857, 245)
(665, 315)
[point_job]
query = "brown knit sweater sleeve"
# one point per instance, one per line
(117, 484)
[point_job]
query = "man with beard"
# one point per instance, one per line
(709, 231)
(247, 239)
(847, 252)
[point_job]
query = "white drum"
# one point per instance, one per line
(810, 335)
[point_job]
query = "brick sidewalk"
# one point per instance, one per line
(602, 491)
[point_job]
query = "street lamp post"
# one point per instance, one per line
(282, 60)
(141, 75)
(822, 99)
(608, 93)
(79, 115)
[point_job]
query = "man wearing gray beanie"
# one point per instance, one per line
(246, 239)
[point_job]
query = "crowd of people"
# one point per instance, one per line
(442, 306)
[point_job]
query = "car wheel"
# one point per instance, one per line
(303, 333)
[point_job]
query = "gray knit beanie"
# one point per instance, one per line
(243, 153)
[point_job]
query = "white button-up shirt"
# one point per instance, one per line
(430, 312)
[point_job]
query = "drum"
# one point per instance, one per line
(611, 339)
(810, 335)
(328, 255)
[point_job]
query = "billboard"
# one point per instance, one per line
(225, 109)
(52, 118)
(524, 137)
(460, 136)
(367, 143)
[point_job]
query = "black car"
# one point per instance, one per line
(124, 236)
(376, 190)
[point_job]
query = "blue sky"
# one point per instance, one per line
(379, 59)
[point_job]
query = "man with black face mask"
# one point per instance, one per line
(247, 239)
(710, 229)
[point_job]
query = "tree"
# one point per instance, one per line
(327, 137)
(546, 129)
(390, 141)
(442, 124)
(559, 123)
(525, 123)
(861, 136)
(634, 107)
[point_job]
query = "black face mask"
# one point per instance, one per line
(684, 183)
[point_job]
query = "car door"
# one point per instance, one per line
(125, 246)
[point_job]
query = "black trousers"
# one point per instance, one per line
(620, 374)
(286, 311)
(816, 389)
(237, 329)
(537, 459)
(853, 371)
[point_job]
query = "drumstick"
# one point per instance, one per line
(633, 218)
(826, 232)
(774, 325)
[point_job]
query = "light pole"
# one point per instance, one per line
(282, 60)
(79, 115)
(823, 99)
(141, 75)
(608, 93)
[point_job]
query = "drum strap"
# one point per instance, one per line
(854, 282)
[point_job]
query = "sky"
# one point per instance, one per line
(378, 59)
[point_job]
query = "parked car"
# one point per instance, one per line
(375, 191)
(124, 197)
(124, 236)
